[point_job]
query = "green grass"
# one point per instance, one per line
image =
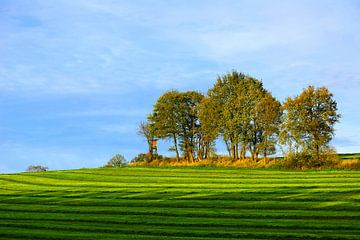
(180, 203)
(349, 155)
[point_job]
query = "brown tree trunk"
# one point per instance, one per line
(190, 155)
(243, 152)
(228, 147)
(206, 151)
(236, 151)
(150, 150)
(252, 153)
(265, 157)
(233, 150)
(176, 148)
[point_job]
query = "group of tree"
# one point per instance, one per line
(240, 111)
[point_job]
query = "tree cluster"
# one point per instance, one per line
(250, 121)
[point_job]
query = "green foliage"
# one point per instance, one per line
(249, 119)
(146, 130)
(209, 117)
(306, 160)
(175, 116)
(145, 157)
(308, 123)
(180, 203)
(116, 161)
(248, 116)
(141, 157)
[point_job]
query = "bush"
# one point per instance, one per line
(116, 161)
(36, 168)
(306, 160)
(299, 160)
(348, 164)
(141, 157)
(145, 158)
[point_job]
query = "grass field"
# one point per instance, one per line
(180, 203)
(349, 155)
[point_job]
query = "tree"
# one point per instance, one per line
(266, 121)
(228, 97)
(309, 121)
(248, 114)
(209, 112)
(175, 116)
(116, 161)
(36, 168)
(146, 131)
(189, 123)
(164, 118)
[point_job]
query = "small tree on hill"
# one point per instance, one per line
(116, 161)
(146, 131)
(36, 168)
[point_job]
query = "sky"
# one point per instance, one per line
(77, 77)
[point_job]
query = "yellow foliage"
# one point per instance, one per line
(348, 164)
(217, 162)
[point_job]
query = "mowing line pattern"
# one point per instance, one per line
(180, 203)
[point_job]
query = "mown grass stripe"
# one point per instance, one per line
(196, 222)
(197, 232)
(194, 214)
(179, 203)
(158, 231)
(191, 212)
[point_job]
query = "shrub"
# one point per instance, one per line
(299, 160)
(349, 164)
(306, 160)
(36, 168)
(145, 158)
(141, 157)
(116, 161)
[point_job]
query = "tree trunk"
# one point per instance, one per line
(243, 152)
(206, 150)
(236, 151)
(252, 153)
(190, 155)
(317, 152)
(233, 150)
(176, 148)
(150, 150)
(265, 157)
(228, 147)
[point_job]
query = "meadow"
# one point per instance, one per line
(349, 155)
(180, 203)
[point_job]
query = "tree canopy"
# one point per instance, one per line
(246, 116)
(175, 116)
(308, 122)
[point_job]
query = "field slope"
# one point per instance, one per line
(180, 203)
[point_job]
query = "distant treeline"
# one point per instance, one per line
(248, 118)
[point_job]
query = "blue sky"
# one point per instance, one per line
(76, 77)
